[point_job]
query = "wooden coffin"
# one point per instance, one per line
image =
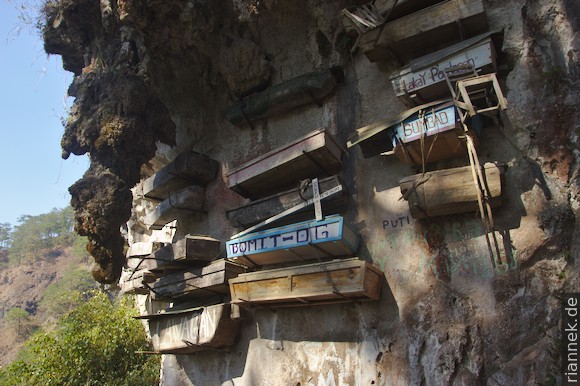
(143, 248)
(190, 330)
(313, 155)
(187, 252)
(134, 282)
(197, 282)
(283, 97)
(423, 79)
(188, 168)
(179, 205)
(260, 210)
(296, 242)
(450, 191)
(329, 282)
(432, 27)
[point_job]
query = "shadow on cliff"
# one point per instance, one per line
(288, 333)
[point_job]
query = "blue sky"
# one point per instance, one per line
(33, 176)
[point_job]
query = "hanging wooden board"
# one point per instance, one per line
(313, 155)
(296, 242)
(333, 281)
(260, 210)
(188, 252)
(190, 330)
(435, 26)
(179, 205)
(450, 191)
(197, 282)
(188, 168)
(423, 79)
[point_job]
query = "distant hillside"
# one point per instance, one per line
(34, 258)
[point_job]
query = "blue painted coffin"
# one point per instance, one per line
(302, 241)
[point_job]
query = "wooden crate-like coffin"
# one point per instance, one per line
(179, 205)
(316, 154)
(260, 210)
(296, 242)
(334, 281)
(449, 191)
(188, 168)
(198, 282)
(135, 282)
(423, 79)
(191, 330)
(189, 251)
(411, 35)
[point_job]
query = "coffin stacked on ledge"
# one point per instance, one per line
(178, 188)
(264, 248)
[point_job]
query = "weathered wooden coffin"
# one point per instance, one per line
(437, 122)
(450, 191)
(432, 27)
(334, 281)
(134, 282)
(283, 97)
(260, 210)
(178, 205)
(198, 282)
(190, 330)
(297, 242)
(188, 168)
(313, 155)
(423, 79)
(142, 248)
(188, 252)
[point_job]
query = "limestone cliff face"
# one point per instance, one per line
(152, 79)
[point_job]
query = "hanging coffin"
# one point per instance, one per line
(315, 154)
(425, 133)
(187, 252)
(424, 78)
(178, 205)
(411, 35)
(297, 242)
(450, 191)
(198, 282)
(190, 330)
(283, 97)
(260, 210)
(188, 168)
(135, 282)
(329, 282)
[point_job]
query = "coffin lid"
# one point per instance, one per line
(170, 312)
(371, 130)
(438, 56)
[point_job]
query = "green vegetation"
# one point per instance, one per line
(94, 344)
(20, 322)
(67, 293)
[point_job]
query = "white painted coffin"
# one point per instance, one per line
(190, 330)
(303, 241)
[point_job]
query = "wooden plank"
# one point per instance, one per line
(188, 168)
(260, 210)
(198, 282)
(429, 28)
(450, 191)
(296, 242)
(335, 281)
(192, 330)
(314, 155)
(181, 204)
(424, 78)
